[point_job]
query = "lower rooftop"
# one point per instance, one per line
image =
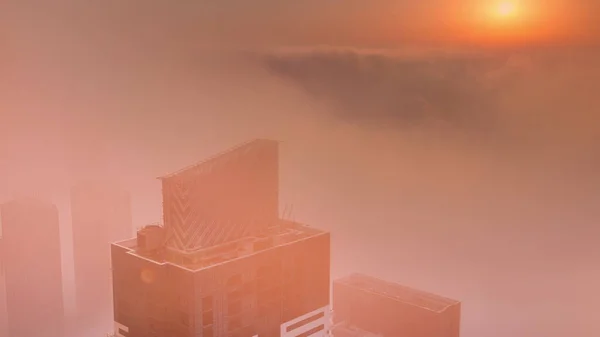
(285, 232)
(348, 330)
(398, 292)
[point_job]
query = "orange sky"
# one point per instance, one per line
(117, 87)
(357, 23)
(479, 21)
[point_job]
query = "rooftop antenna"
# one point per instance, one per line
(292, 213)
(284, 212)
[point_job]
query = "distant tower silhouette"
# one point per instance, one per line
(3, 313)
(32, 264)
(101, 213)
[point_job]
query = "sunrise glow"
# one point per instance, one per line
(506, 9)
(511, 22)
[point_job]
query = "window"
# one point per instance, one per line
(183, 301)
(207, 303)
(264, 283)
(207, 318)
(234, 323)
(207, 332)
(235, 295)
(123, 305)
(153, 324)
(234, 280)
(264, 271)
(235, 308)
(270, 295)
(248, 288)
(184, 319)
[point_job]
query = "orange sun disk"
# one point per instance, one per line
(506, 8)
(516, 22)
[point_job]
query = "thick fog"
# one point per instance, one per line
(472, 174)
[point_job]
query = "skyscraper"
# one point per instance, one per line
(366, 306)
(3, 313)
(223, 264)
(101, 214)
(31, 244)
(275, 284)
(239, 189)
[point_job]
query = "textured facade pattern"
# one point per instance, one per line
(278, 291)
(224, 198)
(391, 310)
(101, 214)
(33, 273)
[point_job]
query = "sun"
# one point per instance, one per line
(506, 9)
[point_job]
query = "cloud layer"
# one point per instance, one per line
(519, 96)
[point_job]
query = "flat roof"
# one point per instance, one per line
(284, 233)
(346, 329)
(398, 292)
(220, 156)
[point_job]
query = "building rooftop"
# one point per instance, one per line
(348, 330)
(398, 292)
(224, 156)
(284, 233)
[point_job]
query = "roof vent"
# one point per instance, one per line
(150, 238)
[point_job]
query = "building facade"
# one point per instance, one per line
(34, 293)
(238, 189)
(366, 306)
(101, 214)
(223, 264)
(275, 285)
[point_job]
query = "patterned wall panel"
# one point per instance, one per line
(223, 198)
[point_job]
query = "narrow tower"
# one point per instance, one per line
(32, 264)
(101, 214)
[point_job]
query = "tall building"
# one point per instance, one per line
(3, 313)
(214, 271)
(101, 214)
(32, 264)
(239, 189)
(366, 306)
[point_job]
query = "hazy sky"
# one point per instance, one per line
(351, 22)
(471, 172)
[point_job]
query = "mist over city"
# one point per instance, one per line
(435, 156)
